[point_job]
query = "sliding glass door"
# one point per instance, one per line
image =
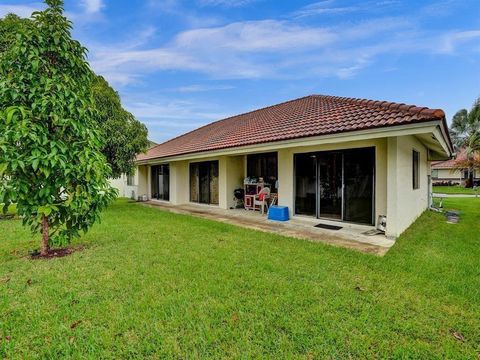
(330, 166)
(204, 182)
(306, 184)
(359, 176)
(336, 184)
(161, 182)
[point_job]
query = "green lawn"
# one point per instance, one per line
(160, 285)
(454, 190)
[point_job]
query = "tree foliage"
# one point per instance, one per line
(465, 128)
(465, 131)
(124, 135)
(50, 141)
(10, 25)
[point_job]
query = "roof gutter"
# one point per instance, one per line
(446, 134)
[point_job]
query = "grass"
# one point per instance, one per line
(152, 284)
(455, 189)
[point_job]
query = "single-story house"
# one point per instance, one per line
(326, 157)
(447, 173)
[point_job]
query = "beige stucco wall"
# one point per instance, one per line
(286, 189)
(230, 168)
(405, 204)
(179, 183)
(142, 180)
(449, 174)
(231, 174)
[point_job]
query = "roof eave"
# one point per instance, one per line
(379, 132)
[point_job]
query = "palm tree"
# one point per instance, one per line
(465, 131)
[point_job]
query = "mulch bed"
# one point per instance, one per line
(56, 253)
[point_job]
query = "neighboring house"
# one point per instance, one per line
(327, 157)
(446, 173)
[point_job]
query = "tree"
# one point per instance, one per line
(50, 142)
(465, 130)
(125, 136)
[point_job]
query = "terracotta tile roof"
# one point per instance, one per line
(449, 164)
(312, 115)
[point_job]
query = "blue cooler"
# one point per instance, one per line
(278, 213)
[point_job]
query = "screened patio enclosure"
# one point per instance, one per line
(336, 185)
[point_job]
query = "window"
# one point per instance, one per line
(434, 173)
(416, 169)
(264, 166)
(130, 180)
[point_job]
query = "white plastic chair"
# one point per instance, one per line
(261, 199)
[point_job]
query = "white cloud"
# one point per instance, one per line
(92, 6)
(275, 49)
(196, 113)
(20, 10)
(333, 7)
(349, 71)
(251, 49)
(322, 7)
(454, 39)
(229, 51)
(250, 36)
(225, 3)
(203, 88)
(167, 118)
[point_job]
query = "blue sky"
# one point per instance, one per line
(181, 64)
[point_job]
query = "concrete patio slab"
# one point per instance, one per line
(349, 236)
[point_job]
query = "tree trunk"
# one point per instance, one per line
(45, 247)
(470, 179)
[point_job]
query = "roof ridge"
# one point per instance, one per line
(228, 118)
(389, 105)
